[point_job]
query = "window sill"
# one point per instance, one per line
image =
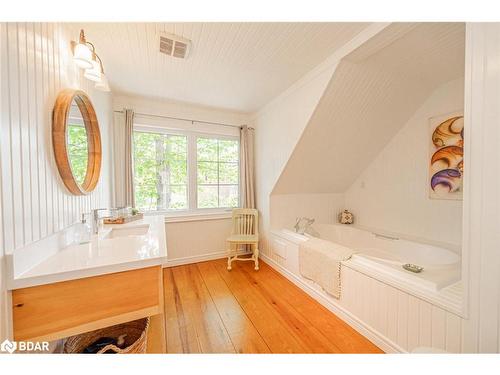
(185, 217)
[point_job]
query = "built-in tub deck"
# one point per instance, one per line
(397, 309)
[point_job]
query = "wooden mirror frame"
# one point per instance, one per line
(60, 116)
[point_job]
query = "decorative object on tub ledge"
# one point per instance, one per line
(85, 57)
(346, 217)
(412, 268)
(446, 156)
(320, 261)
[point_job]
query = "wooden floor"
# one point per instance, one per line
(211, 310)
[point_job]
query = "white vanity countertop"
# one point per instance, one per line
(137, 244)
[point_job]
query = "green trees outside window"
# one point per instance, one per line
(161, 173)
(218, 173)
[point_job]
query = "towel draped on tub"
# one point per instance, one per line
(319, 261)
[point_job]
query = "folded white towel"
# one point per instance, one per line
(319, 261)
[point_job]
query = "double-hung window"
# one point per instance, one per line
(160, 171)
(218, 171)
(184, 171)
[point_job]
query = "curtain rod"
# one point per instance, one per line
(184, 119)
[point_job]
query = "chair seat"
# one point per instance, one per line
(243, 238)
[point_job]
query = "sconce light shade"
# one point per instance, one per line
(94, 73)
(103, 85)
(82, 56)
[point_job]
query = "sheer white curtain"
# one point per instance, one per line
(123, 155)
(247, 167)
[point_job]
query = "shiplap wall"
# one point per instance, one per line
(405, 320)
(481, 243)
(391, 194)
(197, 240)
(286, 208)
(36, 65)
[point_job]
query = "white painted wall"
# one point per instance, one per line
(392, 192)
(189, 241)
(179, 109)
(278, 129)
(481, 244)
(285, 208)
(36, 65)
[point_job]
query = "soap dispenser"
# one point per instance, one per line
(84, 231)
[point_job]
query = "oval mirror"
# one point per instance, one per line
(77, 141)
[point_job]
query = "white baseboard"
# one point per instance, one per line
(197, 258)
(378, 339)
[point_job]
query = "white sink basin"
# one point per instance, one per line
(139, 230)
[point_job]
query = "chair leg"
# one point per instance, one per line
(229, 258)
(256, 257)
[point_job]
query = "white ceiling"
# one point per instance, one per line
(239, 66)
(372, 94)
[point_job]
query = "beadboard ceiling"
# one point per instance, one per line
(372, 94)
(239, 66)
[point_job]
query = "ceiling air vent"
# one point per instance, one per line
(173, 45)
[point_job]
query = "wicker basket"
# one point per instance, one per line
(135, 341)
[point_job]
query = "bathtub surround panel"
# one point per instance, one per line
(393, 318)
(392, 193)
(36, 65)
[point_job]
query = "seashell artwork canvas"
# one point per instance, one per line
(446, 166)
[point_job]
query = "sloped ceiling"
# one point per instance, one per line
(372, 94)
(234, 65)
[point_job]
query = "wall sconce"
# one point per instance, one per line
(86, 58)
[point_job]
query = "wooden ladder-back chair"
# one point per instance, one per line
(245, 231)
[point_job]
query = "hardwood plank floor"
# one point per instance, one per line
(211, 310)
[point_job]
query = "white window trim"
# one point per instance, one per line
(213, 136)
(193, 213)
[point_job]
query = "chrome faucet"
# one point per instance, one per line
(95, 219)
(297, 225)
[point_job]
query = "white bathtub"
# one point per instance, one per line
(384, 255)
(398, 310)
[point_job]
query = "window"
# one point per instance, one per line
(217, 172)
(160, 171)
(178, 171)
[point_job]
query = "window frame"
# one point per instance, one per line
(218, 137)
(192, 169)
